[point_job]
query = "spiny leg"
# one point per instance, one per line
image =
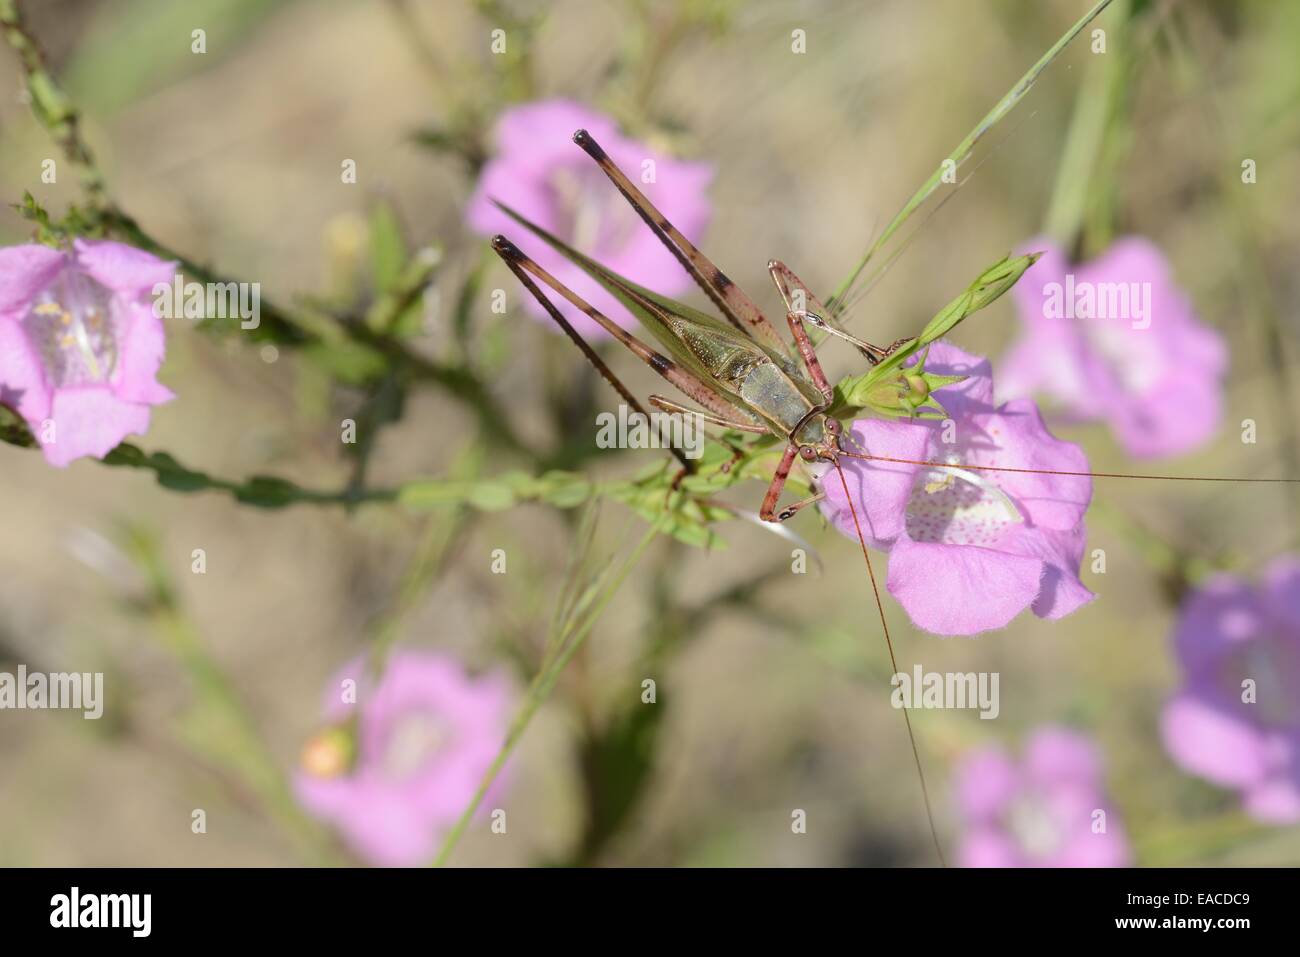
(737, 452)
(809, 356)
(605, 371)
(667, 405)
(731, 300)
(768, 512)
(798, 296)
(694, 387)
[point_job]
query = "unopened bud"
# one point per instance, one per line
(920, 389)
(329, 753)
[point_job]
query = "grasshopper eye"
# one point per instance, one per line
(833, 427)
(806, 453)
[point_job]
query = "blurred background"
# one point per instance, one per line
(769, 684)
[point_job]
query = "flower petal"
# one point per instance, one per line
(880, 490)
(22, 377)
(984, 783)
(961, 589)
(1054, 755)
(975, 393)
(1084, 847)
(1018, 438)
(142, 346)
(1061, 591)
(376, 823)
(1220, 615)
(1208, 741)
(24, 272)
(541, 132)
(541, 173)
(91, 421)
(126, 270)
(1274, 802)
(987, 847)
(1282, 593)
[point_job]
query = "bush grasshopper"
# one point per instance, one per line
(748, 380)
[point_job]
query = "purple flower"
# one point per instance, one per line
(423, 738)
(80, 346)
(969, 550)
(539, 172)
(1050, 810)
(1236, 720)
(1115, 341)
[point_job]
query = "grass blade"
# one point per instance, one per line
(963, 151)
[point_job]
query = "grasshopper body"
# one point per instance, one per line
(743, 374)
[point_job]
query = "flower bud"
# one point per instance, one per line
(329, 753)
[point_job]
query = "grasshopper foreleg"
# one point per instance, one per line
(768, 512)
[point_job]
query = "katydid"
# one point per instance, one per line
(743, 374)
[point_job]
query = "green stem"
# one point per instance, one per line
(54, 110)
(1083, 143)
(964, 149)
(50, 105)
(1251, 268)
(239, 746)
(571, 635)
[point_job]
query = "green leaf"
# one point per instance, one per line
(348, 361)
(388, 250)
(268, 491)
(564, 489)
(435, 493)
(617, 762)
(491, 496)
(13, 429)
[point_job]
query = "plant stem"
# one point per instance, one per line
(964, 149)
(572, 631)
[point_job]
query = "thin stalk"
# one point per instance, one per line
(564, 644)
(964, 149)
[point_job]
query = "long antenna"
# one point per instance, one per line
(933, 463)
(884, 625)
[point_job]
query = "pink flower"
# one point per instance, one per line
(1115, 341)
(1236, 720)
(540, 173)
(80, 346)
(424, 735)
(969, 550)
(1049, 810)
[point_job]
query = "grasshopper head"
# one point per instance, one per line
(819, 439)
